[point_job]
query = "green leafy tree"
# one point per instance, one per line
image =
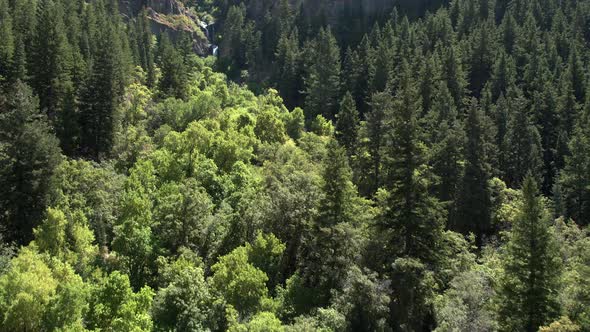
(365, 301)
(133, 237)
(242, 285)
(39, 294)
(467, 304)
(184, 302)
(114, 305)
(67, 238)
(25, 292)
(183, 215)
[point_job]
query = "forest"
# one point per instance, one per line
(295, 165)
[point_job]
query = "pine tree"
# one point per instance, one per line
(473, 206)
(322, 77)
(29, 153)
(544, 109)
(145, 47)
(427, 84)
(232, 54)
(7, 42)
(453, 75)
(381, 104)
(509, 33)
(480, 59)
(288, 68)
(503, 76)
(575, 73)
(523, 143)
(52, 59)
(381, 76)
(567, 107)
(347, 124)
(103, 86)
(413, 219)
(365, 66)
(447, 141)
(574, 181)
(174, 80)
(530, 284)
(333, 240)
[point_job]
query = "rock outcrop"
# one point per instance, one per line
(171, 17)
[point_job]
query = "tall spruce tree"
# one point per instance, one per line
(574, 181)
(333, 246)
(322, 76)
(29, 153)
(103, 86)
(381, 104)
(446, 139)
(288, 69)
(174, 80)
(7, 42)
(473, 205)
(347, 124)
(413, 219)
(532, 267)
(523, 143)
(52, 59)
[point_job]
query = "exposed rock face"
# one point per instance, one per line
(171, 17)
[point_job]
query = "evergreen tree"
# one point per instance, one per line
(103, 87)
(145, 47)
(523, 143)
(333, 243)
(7, 42)
(322, 76)
(503, 76)
(381, 104)
(480, 59)
(347, 124)
(530, 284)
(473, 206)
(447, 140)
(544, 109)
(413, 219)
(509, 31)
(427, 84)
(29, 153)
(52, 59)
(453, 75)
(575, 73)
(174, 80)
(288, 68)
(574, 181)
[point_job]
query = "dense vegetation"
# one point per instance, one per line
(352, 170)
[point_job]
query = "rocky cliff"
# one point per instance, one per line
(173, 18)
